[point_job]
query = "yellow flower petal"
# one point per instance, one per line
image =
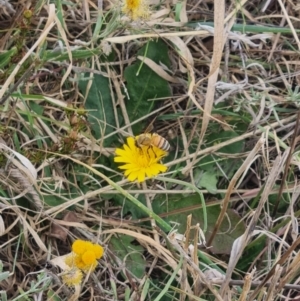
(85, 255)
(88, 258)
(98, 250)
(132, 176)
(79, 246)
(141, 177)
(140, 162)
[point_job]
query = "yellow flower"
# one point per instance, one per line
(140, 161)
(80, 246)
(84, 255)
(72, 277)
(136, 9)
(98, 250)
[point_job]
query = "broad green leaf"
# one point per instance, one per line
(207, 180)
(53, 200)
(220, 164)
(35, 107)
(128, 207)
(100, 107)
(233, 148)
(130, 254)
(144, 85)
(231, 228)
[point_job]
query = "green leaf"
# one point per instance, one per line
(213, 162)
(99, 104)
(207, 180)
(129, 208)
(53, 200)
(52, 295)
(233, 148)
(231, 228)
(143, 84)
(130, 254)
(6, 56)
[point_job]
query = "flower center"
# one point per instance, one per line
(146, 157)
(143, 159)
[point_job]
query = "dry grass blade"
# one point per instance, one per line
(49, 25)
(124, 39)
(272, 288)
(78, 80)
(239, 246)
(281, 261)
(220, 36)
(247, 285)
(290, 23)
(287, 165)
(230, 141)
(158, 69)
(195, 268)
(290, 272)
(232, 183)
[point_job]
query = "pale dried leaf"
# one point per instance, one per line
(29, 166)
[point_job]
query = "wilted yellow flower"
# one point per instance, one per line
(140, 161)
(72, 276)
(84, 256)
(136, 9)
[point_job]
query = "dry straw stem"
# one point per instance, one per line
(219, 41)
(184, 282)
(288, 162)
(124, 39)
(65, 39)
(245, 193)
(291, 271)
(120, 101)
(49, 25)
(254, 284)
(158, 69)
(144, 239)
(214, 148)
(244, 167)
(196, 270)
(272, 288)
(247, 285)
(289, 22)
(240, 243)
(281, 261)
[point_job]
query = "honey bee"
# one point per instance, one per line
(152, 139)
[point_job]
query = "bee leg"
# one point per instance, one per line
(150, 146)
